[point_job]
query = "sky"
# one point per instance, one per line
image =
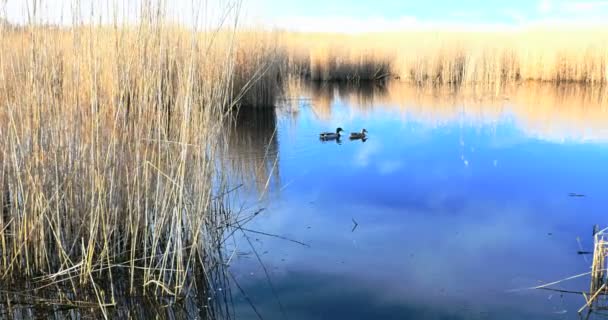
(332, 15)
(372, 15)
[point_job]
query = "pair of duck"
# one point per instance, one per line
(337, 135)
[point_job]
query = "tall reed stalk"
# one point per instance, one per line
(107, 156)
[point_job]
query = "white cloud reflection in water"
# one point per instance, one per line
(435, 238)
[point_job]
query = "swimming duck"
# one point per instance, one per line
(358, 135)
(331, 135)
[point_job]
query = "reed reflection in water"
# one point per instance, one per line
(209, 299)
(323, 94)
(253, 149)
(544, 110)
(459, 195)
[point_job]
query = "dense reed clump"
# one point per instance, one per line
(334, 57)
(107, 157)
(444, 57)
(261, 63)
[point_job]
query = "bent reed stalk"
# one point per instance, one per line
(109, 141)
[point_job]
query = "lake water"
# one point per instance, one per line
(456, 200)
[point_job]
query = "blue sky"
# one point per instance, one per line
(348, 15)
(394, 9)
(401, 14)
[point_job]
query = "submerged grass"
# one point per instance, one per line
(445, 57)
(109, 135)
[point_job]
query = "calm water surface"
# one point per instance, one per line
(459, 198)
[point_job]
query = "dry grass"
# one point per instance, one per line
(261, 63)
(109, 136)
(444, 57)
(334, 57)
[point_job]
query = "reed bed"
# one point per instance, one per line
(261, 65)
(444, 57)
(110, 136)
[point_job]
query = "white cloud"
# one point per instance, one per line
(340, 23)
(373, 24)
(389, 167)
(545, 6)
(515, 15)
(363, 157)
(584, 6)
(567, 13)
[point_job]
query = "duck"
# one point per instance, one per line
(331, 135)
(358, 135)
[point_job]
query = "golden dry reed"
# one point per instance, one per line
(108, 140)
(444, 57)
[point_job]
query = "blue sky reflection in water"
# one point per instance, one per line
(457, 201)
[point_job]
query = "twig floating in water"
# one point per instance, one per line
(576, 195)
(355, 225)
(276, 236)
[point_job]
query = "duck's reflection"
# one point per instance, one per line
(337, 140)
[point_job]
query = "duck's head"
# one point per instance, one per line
(338, 130)
(363, 131)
